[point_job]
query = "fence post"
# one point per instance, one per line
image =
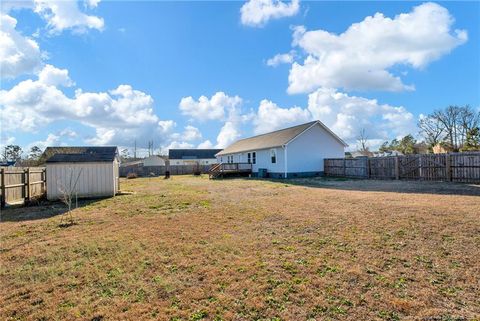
(397, 168)
(368, 167)
(44, 179)
(27, 183)
(420, 169)
(3, 188)
(448, 167)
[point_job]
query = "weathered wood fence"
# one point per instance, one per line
(160, 170)
(452, 167)
(18, 184)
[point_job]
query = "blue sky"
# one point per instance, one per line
(380, 75)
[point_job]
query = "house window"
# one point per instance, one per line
(254, 158)
(206, 162)
(273, 155)
(249, 158)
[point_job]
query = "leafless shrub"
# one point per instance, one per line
(68, 191)
(132, 175)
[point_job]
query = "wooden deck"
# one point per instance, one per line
(229, 169)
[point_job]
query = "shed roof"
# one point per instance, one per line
(273, 139)
(192, 153)
(80, 154)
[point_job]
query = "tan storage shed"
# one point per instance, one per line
(88, 172)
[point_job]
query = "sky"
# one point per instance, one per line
(196, 74)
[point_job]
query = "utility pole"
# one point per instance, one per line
(135, 150)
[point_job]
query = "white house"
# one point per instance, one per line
(85, 171)
(297, 151)
(154, 160)
(192, 156)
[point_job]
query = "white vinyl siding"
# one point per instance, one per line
(96, 179)
(307, 152)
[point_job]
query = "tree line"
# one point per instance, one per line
(454, 128)
(14, 153)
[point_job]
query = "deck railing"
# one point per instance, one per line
(217, 170)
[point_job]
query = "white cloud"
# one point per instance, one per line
(92, 3)
(18, 54)
(67, 132)
(63, 15)
(6, 140)
(228, 134)
(53, 76)
(191, 134)
(119, 116)
(215, 108)
(348, 115)
(360, 57)
(278, 59)
(271, 117)
(220, 107)
(257, 13)
(205, 145)
(51, 140)
(175, 145)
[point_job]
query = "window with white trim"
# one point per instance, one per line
(249, 158)
(273, 155)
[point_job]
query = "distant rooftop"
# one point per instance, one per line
(192, 153)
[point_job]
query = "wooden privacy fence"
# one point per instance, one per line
(452, 167)
(18, 184)
(160, 170)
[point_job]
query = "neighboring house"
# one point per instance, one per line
(387, 153)
(192, 156)
(7, 163)
(154, 160)
(297, 151)
(442, 149)
(87, 171)
(356, 154)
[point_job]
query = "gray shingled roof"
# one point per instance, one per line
(274, 139)
(80, 154)
(192, 153)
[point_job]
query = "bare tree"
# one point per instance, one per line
(432, 129)
(68, 190)
(449, 118)
(362, 141)
(469, 120)
(451, 125)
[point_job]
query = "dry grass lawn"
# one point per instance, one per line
(241, 249)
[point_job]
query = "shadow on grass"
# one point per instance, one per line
(42, 210)
(391, 186)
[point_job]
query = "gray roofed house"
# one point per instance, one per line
(192, 156)
(192, 153)
(291, 152)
